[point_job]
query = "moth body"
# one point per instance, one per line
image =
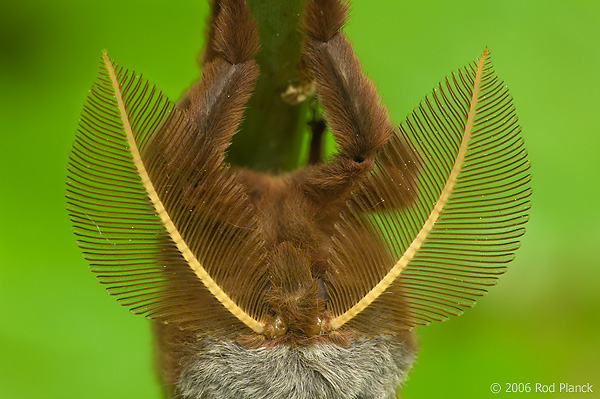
(306, 284)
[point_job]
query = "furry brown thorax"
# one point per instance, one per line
(297, 229)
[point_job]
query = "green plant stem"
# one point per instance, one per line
(272, 134)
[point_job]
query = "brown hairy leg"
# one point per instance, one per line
(215, 103)
(354, 113)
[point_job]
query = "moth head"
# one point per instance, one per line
(294, 294)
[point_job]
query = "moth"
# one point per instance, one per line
(305, 284)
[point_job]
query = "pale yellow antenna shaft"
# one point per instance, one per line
(187, 254)
(410, 252)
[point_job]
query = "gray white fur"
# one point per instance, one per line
(370, 368)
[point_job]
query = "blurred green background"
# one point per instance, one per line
(62, 336)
